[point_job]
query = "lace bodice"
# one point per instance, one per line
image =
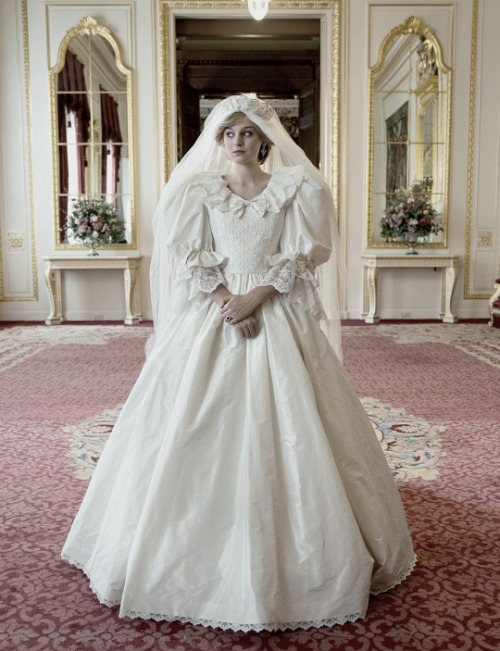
(281, 234)
(247, 232)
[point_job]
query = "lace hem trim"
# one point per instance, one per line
(82, 568)
(225, 626)
(247, 628)
(229, 626)
(402, 577)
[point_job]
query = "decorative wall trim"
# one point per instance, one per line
(471, 156)
(29, 131)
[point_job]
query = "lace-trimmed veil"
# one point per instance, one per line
(206, 155)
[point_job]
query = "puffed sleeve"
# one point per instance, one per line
(190, 241)
(305, 244)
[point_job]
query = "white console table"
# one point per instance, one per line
(372, 263)
(54, 265)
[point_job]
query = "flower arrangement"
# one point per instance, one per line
(408, 214)
(94, 222)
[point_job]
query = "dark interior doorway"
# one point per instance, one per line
(278, 60)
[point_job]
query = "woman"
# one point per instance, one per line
(243, 486)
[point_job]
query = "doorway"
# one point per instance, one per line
(277, 59)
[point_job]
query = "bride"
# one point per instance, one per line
(243, 486)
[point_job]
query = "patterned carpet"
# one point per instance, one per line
(431, 392)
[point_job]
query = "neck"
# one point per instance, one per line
(247, 181)
(246, 174)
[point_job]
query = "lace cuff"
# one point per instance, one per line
(308, 298)
(199, 279)
(284, 270)
(202, 270)
(281, 276)
(206, 279)
(295, 276)
(192, 284)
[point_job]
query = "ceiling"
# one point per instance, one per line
(247, 34)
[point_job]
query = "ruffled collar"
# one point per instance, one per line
(281, 187)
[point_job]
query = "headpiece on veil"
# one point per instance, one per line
(207, 155)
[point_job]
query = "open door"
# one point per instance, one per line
(188, 117)
(309, 121)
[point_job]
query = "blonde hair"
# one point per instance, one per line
(233, 119)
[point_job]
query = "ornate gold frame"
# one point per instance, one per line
(330, 59)
(91, 26)
(411, 25)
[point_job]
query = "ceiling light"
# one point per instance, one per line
(258, 8)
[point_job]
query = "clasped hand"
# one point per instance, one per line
(238, 306)
(237, 310)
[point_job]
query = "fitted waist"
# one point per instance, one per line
(232, 267)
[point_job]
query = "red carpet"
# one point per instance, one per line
(431, 391)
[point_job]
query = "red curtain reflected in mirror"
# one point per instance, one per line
(111, 148)
(72, 104)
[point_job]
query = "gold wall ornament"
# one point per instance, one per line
(484, 239)
(327, 11)
(91, 94)
(409, 127)
(16, 241)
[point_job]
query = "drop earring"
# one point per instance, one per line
(263, 151)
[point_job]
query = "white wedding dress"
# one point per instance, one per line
(243, 486)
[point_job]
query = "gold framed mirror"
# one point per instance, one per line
(92, 141)
(409, 140)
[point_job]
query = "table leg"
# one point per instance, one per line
(371, 294)
(130, 279)
(53, 282)
(448, 282)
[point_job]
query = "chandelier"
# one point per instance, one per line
(258, 8)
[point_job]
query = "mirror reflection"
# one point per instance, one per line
(92, 92)
(409, 139)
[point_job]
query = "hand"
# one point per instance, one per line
(248, 328)
(220, 295)
(240, 306)
(237, 307)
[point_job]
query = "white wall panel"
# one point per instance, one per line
(483, 227)
(16, 218)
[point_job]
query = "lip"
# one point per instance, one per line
(239, 151)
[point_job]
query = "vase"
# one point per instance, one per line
(92, 245)
(411, 240)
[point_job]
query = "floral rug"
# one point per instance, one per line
(431, 392)
(412, 446)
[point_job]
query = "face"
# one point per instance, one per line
(242, 142)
